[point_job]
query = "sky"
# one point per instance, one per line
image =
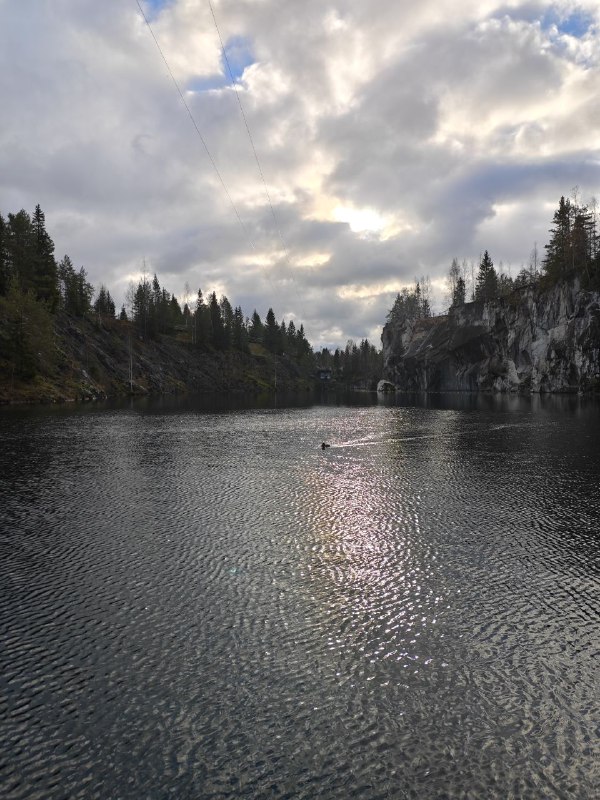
(378, 141)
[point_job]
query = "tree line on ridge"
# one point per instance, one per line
(573, 252)
(34, 288)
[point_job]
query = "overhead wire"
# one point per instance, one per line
(243, 113)
(194, 123)
(207, 150)
(251, 139)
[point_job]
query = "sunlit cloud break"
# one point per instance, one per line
(389, 142)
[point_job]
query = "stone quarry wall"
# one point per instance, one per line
(529, 342)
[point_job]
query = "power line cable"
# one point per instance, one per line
(243, 113)
(191, 116)
(256, 158)
(209, 154)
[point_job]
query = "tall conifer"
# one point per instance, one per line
(486, 287)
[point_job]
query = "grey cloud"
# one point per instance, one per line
(94, 130)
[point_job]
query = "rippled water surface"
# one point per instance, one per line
(206, 604)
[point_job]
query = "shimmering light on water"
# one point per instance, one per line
(199, 605)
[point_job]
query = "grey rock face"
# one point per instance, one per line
(529, 342)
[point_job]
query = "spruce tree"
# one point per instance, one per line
(5, 273)
(219, 337)
(20, 250)
(227, 317)
(104, 305)
(303, 348)
(283, 337)
(75, 290)
(202, 333)
(459, 294)
(486, 287)
(239, 335)
(272, 333)
(558, 250)
(291, 339)
(256, 331)
(141, 311)
(43, 269)
(453, 277)
(26, 333)
(175, 314)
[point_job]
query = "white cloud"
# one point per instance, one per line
(390, 142)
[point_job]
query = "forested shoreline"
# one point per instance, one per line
(62, 339)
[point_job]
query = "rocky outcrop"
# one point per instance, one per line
(529, 342)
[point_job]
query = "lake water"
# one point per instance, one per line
(206, 604)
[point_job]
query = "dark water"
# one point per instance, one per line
(202, 604)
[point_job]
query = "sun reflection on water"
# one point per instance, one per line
(372, 570)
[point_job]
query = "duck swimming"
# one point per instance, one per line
(324, 445)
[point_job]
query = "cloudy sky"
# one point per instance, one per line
(391, 136)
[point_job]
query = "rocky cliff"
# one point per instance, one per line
(531, 341)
